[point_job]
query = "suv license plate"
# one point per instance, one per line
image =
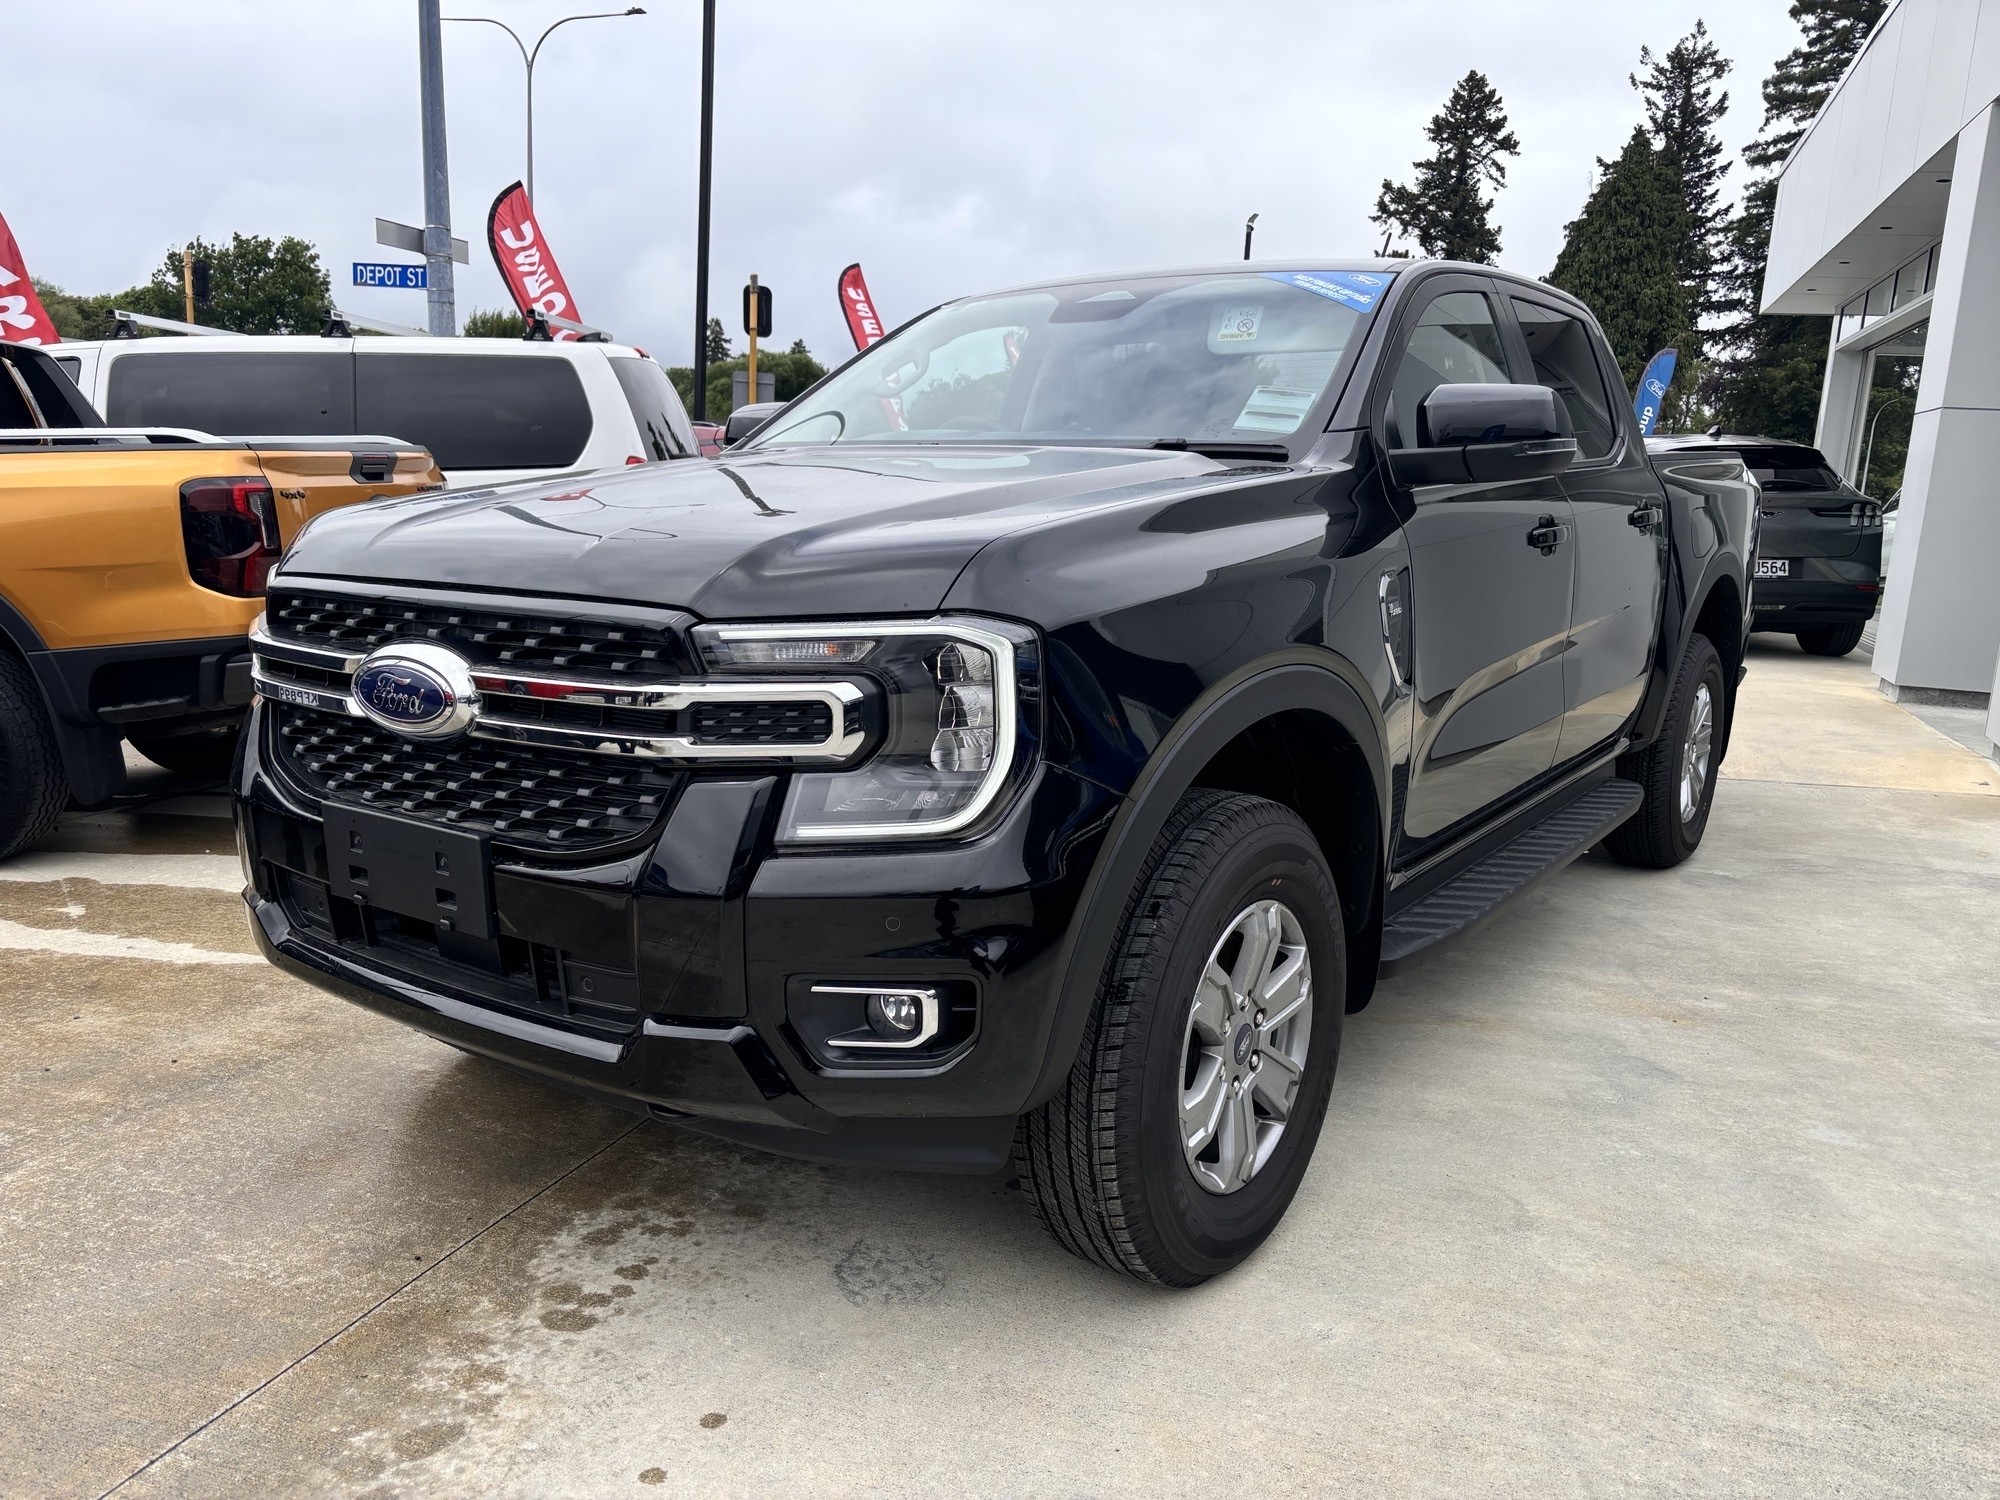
(1773, 567)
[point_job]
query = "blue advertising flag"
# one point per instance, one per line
(1652, 397)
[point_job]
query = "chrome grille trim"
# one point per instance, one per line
(843, 741)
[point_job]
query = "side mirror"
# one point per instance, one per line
(746, 419)
(1486, 434)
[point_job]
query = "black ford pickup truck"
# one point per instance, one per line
(1032, 741)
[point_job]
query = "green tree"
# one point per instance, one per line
(718, 342)
(494, 323)
(1618, 256)
(791, 372)
(1444, 207)
(1772, 367)
(256, 285)
(79, 317)
(1683, 106)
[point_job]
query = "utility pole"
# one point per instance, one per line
(701, 214)
(437, 176)
(187, 283)
(751, 329)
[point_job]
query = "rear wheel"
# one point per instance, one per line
(1175, 1146)
(207, 752)
(33, 789)
(1677, 771)
(1831, 640)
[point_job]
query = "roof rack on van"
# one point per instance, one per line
(540, 324)
(129, 324)
(341, 325)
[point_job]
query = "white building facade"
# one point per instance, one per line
(1888, 219)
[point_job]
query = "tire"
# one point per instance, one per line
(1663, 832)
(207, 753)
(1104, 1160)
(33, 788)
(1831, 640)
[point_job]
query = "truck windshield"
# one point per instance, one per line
(1223, 359)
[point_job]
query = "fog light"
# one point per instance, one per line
(894, 1015)
(897, 1018)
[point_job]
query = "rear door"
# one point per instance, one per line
(1621, 528)
(1489, 609)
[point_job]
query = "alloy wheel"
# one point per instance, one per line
(1696, 753)
(1243, 1058)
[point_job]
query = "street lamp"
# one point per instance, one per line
(528, 56)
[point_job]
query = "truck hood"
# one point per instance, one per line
(800, 532)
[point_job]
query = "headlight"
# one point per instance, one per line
(961, 719)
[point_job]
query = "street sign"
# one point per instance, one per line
(391, 273)
(409, 237)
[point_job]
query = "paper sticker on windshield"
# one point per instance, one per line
(1275, 408)
(1360, 290)
(1238, 325)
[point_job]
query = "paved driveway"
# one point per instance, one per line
(1659, 1184)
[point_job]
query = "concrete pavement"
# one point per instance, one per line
(1659, 1184)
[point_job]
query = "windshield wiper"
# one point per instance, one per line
(1275, 453)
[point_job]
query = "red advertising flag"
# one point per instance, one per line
(862, 321)
(23, 319)
(524, 260)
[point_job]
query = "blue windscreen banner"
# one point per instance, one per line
(1652, 397)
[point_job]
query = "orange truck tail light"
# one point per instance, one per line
(230, 527)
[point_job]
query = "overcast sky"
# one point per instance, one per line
(949, 146)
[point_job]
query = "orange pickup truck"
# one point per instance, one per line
(132, 564)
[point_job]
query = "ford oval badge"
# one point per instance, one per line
(419, 690)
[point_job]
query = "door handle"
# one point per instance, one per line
(1548, 535)
(1645, 517)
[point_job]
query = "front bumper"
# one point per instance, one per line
(1823, 591)
(669, 979)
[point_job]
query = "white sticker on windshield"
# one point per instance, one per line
(1238, 325)
(1276, 408)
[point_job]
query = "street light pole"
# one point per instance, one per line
(440, 298)
(528, 56)
(701, 214)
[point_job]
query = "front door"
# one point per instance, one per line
(1621, 532)
(1489, 606)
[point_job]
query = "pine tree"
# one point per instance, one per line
(718, 343)
(1771, 376)
(1618, 256)
(1684, 107)
(1444, 208)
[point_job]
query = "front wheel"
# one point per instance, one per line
(1176, 1143)
(1831, 640)
(1677, 772)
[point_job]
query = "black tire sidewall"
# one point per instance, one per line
(1703, 665)
(1200, 1232)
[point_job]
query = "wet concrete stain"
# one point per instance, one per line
(713, 1420)
(890, 1274)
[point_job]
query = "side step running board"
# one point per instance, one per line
(1470, 897)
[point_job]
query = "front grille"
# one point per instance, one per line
(530, 796)
(490, 637)
(762, 723)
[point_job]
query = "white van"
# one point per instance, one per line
(490, 410)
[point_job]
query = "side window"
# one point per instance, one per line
(1456, 342)
(1560, 348)
(234, 393)
(656, 407)
(476, 411)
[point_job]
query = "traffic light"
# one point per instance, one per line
(757, 310)
(200, 269)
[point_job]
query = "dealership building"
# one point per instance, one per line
(1888, 220)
